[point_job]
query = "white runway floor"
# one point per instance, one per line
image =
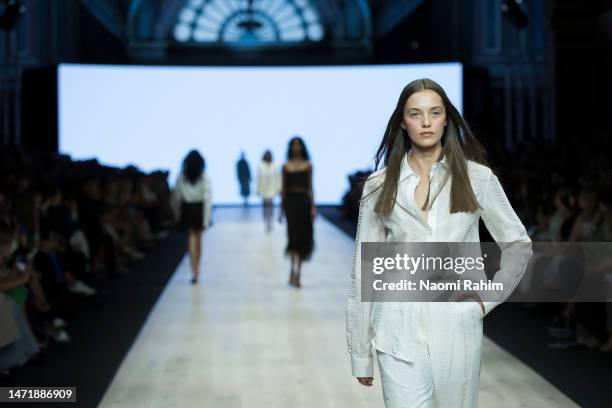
(244, 338)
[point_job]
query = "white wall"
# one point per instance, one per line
(152, 116)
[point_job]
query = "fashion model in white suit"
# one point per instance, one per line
(433, 188)
(268, 186)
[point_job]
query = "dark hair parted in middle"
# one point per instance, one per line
(458, 146)
(193, 166)
(267, 156)
(291, 152)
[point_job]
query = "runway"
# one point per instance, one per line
(244, 338)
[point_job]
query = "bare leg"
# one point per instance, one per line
(296, 263)
(267, 208)
(190, 247)
(198, 253)
(298, 271)
(194, 254)
(292, 275)
(270, 214)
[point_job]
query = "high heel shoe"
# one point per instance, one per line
(291, 279)
(296, 281)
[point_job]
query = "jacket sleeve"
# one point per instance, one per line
(207, 201)
(509, 232)
(358, 315)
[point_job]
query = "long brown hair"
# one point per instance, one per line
(457, 146)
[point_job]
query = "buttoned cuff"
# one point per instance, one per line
(363, 366)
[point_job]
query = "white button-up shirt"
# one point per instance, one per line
(388, 326)
(200, 191)
(268, 180)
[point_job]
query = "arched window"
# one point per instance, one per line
(248, 22)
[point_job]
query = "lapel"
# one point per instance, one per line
(403, 199)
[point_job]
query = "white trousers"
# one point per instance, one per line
(446, 370)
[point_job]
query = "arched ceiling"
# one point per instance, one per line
(250, 23)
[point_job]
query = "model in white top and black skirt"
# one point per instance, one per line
(192, 203)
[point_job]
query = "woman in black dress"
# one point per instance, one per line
(298, 206)
(192, 201)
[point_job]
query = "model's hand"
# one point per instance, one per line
(481, 305)
(472, 295)
(367, 381)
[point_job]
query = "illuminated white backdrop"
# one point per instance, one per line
(152, 116)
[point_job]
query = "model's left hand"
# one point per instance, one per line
(471, 295)
(367, 381)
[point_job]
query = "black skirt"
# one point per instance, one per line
(299, 225)
(192, 215)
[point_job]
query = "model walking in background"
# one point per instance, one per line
(268, 186)
(192, 202)
(298, 206)
(244, 178)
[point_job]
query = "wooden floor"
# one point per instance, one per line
(244, 338)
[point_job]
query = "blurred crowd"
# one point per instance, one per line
(65, 227)
(563, 193)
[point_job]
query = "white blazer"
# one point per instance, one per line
(268, 180)
(388, 326)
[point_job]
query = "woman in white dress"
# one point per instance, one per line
(268, 186)
(192, 202)
(434, 188)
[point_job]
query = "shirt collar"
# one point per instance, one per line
(407, 171)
